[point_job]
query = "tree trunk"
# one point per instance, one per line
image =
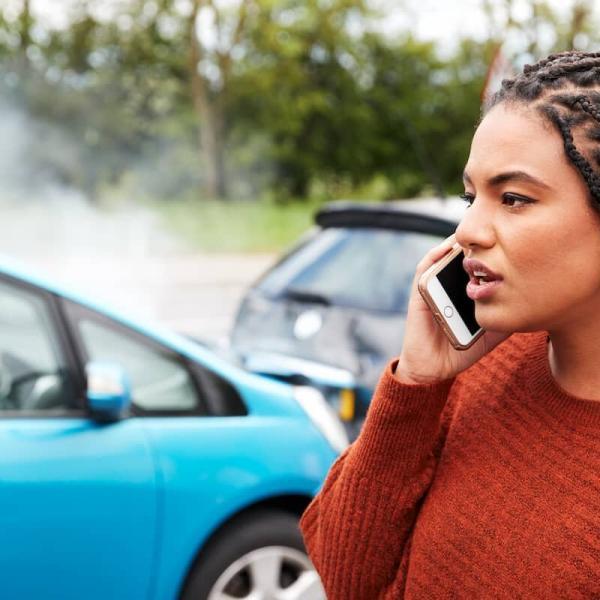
(25, 23)
(211, 120)
(580, 15)
(212, 144)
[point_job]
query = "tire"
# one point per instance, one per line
(260, 552)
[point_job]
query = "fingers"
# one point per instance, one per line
(430, 258)
(416, 302)
(435, 254)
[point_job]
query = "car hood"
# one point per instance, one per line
(278, 335)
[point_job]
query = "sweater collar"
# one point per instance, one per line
(545, 389)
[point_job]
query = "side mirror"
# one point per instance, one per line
(108, 390)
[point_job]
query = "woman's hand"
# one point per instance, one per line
(427, 354)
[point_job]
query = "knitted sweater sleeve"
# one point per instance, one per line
(357, 529)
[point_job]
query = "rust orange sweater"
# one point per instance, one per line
(485, 486)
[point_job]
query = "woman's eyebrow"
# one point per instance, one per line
(519, 176)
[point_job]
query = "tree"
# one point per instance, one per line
(539, 29)
(299, 84)
(216, 33)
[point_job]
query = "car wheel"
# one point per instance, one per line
(259, 556)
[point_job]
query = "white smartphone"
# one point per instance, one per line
(444, 288)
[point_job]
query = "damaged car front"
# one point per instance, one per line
(331, 312)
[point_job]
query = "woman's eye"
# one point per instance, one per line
(514, 200)
(468, 198)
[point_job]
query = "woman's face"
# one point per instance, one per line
(531, 223)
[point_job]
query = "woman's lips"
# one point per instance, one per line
(479, 291)
(483, 282)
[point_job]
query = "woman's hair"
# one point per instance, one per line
(565, 89)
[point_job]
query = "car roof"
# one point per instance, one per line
(428, 213)
(15, 270)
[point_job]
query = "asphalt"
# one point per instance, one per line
(126, 258)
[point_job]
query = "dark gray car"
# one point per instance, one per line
(331, 312)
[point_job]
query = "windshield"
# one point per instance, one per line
(360, 268)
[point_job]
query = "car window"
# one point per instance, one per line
(33, 372)
(159, 381)
(360, 268)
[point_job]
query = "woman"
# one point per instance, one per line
(477, 473)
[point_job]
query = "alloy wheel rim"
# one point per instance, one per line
(269, 573)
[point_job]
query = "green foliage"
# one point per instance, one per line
(316, 104)
(237, 226)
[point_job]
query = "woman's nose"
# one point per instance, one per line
(476, 227)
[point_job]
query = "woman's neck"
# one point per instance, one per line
(574, 358)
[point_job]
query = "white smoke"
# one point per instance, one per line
(123, 256)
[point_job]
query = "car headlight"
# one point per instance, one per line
(322, 415)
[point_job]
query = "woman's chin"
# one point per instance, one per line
(493, 318)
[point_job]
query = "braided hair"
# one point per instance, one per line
(565, 89)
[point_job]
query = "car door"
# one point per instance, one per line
(78, 504)
(166, 395)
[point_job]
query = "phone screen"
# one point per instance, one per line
(454, 279)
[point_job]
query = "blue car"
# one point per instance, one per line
(135, 463)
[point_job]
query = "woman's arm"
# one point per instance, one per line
(357, 530)
(359, 525)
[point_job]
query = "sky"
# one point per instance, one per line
(448, 21)
(440, 20)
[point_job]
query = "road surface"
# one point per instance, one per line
(126, 258)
